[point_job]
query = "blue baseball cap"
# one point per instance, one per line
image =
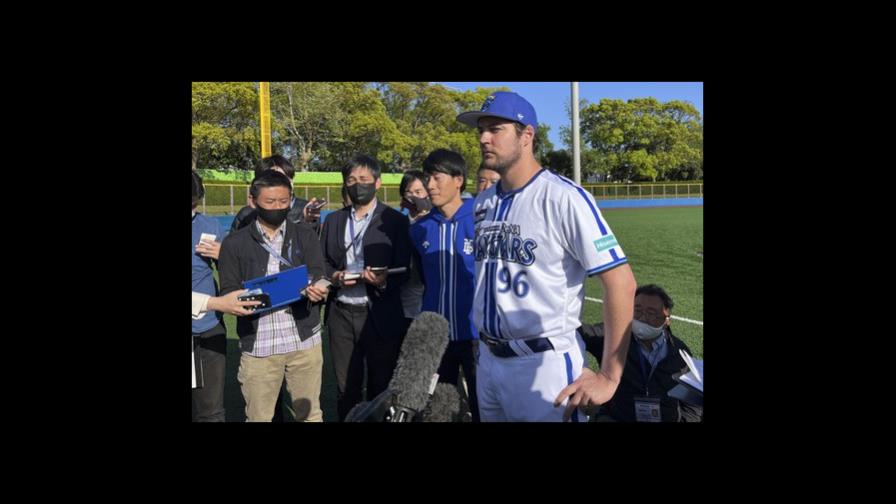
(503, 104)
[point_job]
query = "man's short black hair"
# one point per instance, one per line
(656, 290)
(269, 178)
(359, 161)
(198, 188)
(409, 177)
(276, 161)
(448, 162)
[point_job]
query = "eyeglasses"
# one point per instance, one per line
(649, 316)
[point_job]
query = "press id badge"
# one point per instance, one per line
(647, 409)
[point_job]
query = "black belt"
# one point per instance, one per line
(503, 349)
(353, 307)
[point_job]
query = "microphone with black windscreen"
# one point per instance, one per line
(421, 353)
(414, 377)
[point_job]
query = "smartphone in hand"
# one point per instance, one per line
(256, 295)
(323, 283)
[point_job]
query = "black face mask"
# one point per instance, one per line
(421, 204)
(272, 217)
(362, 194)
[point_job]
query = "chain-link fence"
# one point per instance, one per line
(645, 191)
(227, 199)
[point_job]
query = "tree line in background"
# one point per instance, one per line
(320, 125)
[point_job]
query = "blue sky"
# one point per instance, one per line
(549, 98)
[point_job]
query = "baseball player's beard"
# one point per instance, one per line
(501, 165)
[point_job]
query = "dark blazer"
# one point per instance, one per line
(386, 243)
(243, 258)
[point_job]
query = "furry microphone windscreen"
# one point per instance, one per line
(421, 354)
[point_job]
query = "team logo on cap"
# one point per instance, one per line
(520, 116)
(487, 103)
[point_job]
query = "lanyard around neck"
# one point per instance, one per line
(277, 254)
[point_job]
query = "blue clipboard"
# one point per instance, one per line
(283, 288)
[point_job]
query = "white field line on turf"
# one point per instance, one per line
(673, 316)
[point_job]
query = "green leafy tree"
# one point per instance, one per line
(644, 139)
(305, 117)
(225, 127)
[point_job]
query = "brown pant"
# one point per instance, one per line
(260, 379)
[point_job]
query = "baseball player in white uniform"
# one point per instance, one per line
(537, 237)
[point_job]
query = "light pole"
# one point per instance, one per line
(576, 162)
(264, 103)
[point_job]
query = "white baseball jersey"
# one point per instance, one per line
(534, 248)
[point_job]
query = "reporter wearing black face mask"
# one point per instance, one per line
(414, 197)
(285, 342)
(365, 320)
(300, 210)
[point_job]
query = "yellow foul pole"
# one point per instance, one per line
(264, 101)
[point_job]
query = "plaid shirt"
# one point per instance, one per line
(277, 332)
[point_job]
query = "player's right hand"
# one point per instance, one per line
(588, 390)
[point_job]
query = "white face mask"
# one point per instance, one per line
(194, 213)
(646, 332)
